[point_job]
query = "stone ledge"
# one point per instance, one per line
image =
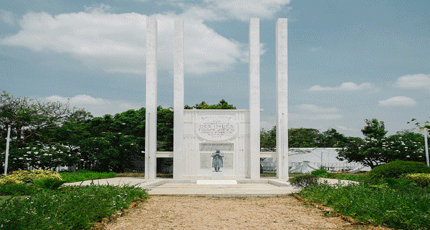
(279, 183)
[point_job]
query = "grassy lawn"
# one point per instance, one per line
(4, 198)
(83, 175)
(66, 208)
(38, 205)
(396, 203)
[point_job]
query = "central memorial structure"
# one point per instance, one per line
(199, 133)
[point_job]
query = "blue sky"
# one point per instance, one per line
(348, 60)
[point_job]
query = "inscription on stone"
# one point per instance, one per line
(214, 146)
(216, 128)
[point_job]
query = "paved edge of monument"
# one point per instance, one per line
(158, 182)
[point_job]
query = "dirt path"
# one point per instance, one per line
(169, 212)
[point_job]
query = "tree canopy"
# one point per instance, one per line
(51, 134)
(203, 105)
(376, 148)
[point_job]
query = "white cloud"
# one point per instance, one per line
(317, 109)
(346, 86)
(248, 9)
(415, 81)
(97, 106)
(6, 17)
(343, 128)
(314, 112)
(399, 101)
(215, 10)
(116, 42)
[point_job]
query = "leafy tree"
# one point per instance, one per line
(332, 138)
(164, 129)
(304, 138)
(114, 141)
(203, 105)
(420, 125)
(404, 145)
(376, 149)
(268, 139)
(369, 152)
(31, 122)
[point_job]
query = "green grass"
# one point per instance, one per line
(268, 174)
(83, 175)
(393, 203)
(341, 176)
(66, 208)
(4, 198)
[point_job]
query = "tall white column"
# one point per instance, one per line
(178, 100)
(254, 97)
(426, 144)
(282, 97)
(151, 99)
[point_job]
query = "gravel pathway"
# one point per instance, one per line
(172, 212)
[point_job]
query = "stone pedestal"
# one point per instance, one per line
(217, 175)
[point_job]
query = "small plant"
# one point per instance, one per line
(395, 169)
(10, 180)
(421, 179)
(17, 189)
(304, 180)
(319, 172)
(49, 183)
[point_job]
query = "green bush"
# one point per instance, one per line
(421, 179)
(17, 189)
(394, 204)
(304, 180)
(319, 172)
(28, 176)
(48, 183)
(71, 208)
(395, 169)
(83, 175)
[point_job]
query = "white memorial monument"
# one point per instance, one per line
(199, 133)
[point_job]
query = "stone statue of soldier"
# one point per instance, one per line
(217, 161)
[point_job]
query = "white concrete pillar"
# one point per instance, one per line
(178, 100)
(254, 98)
(282, 97)
(151, 99)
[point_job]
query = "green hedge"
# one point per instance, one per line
(83, 175)
(421, 179)
(395, 169)
(399, 206)
(69, 208)
(304, 180)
